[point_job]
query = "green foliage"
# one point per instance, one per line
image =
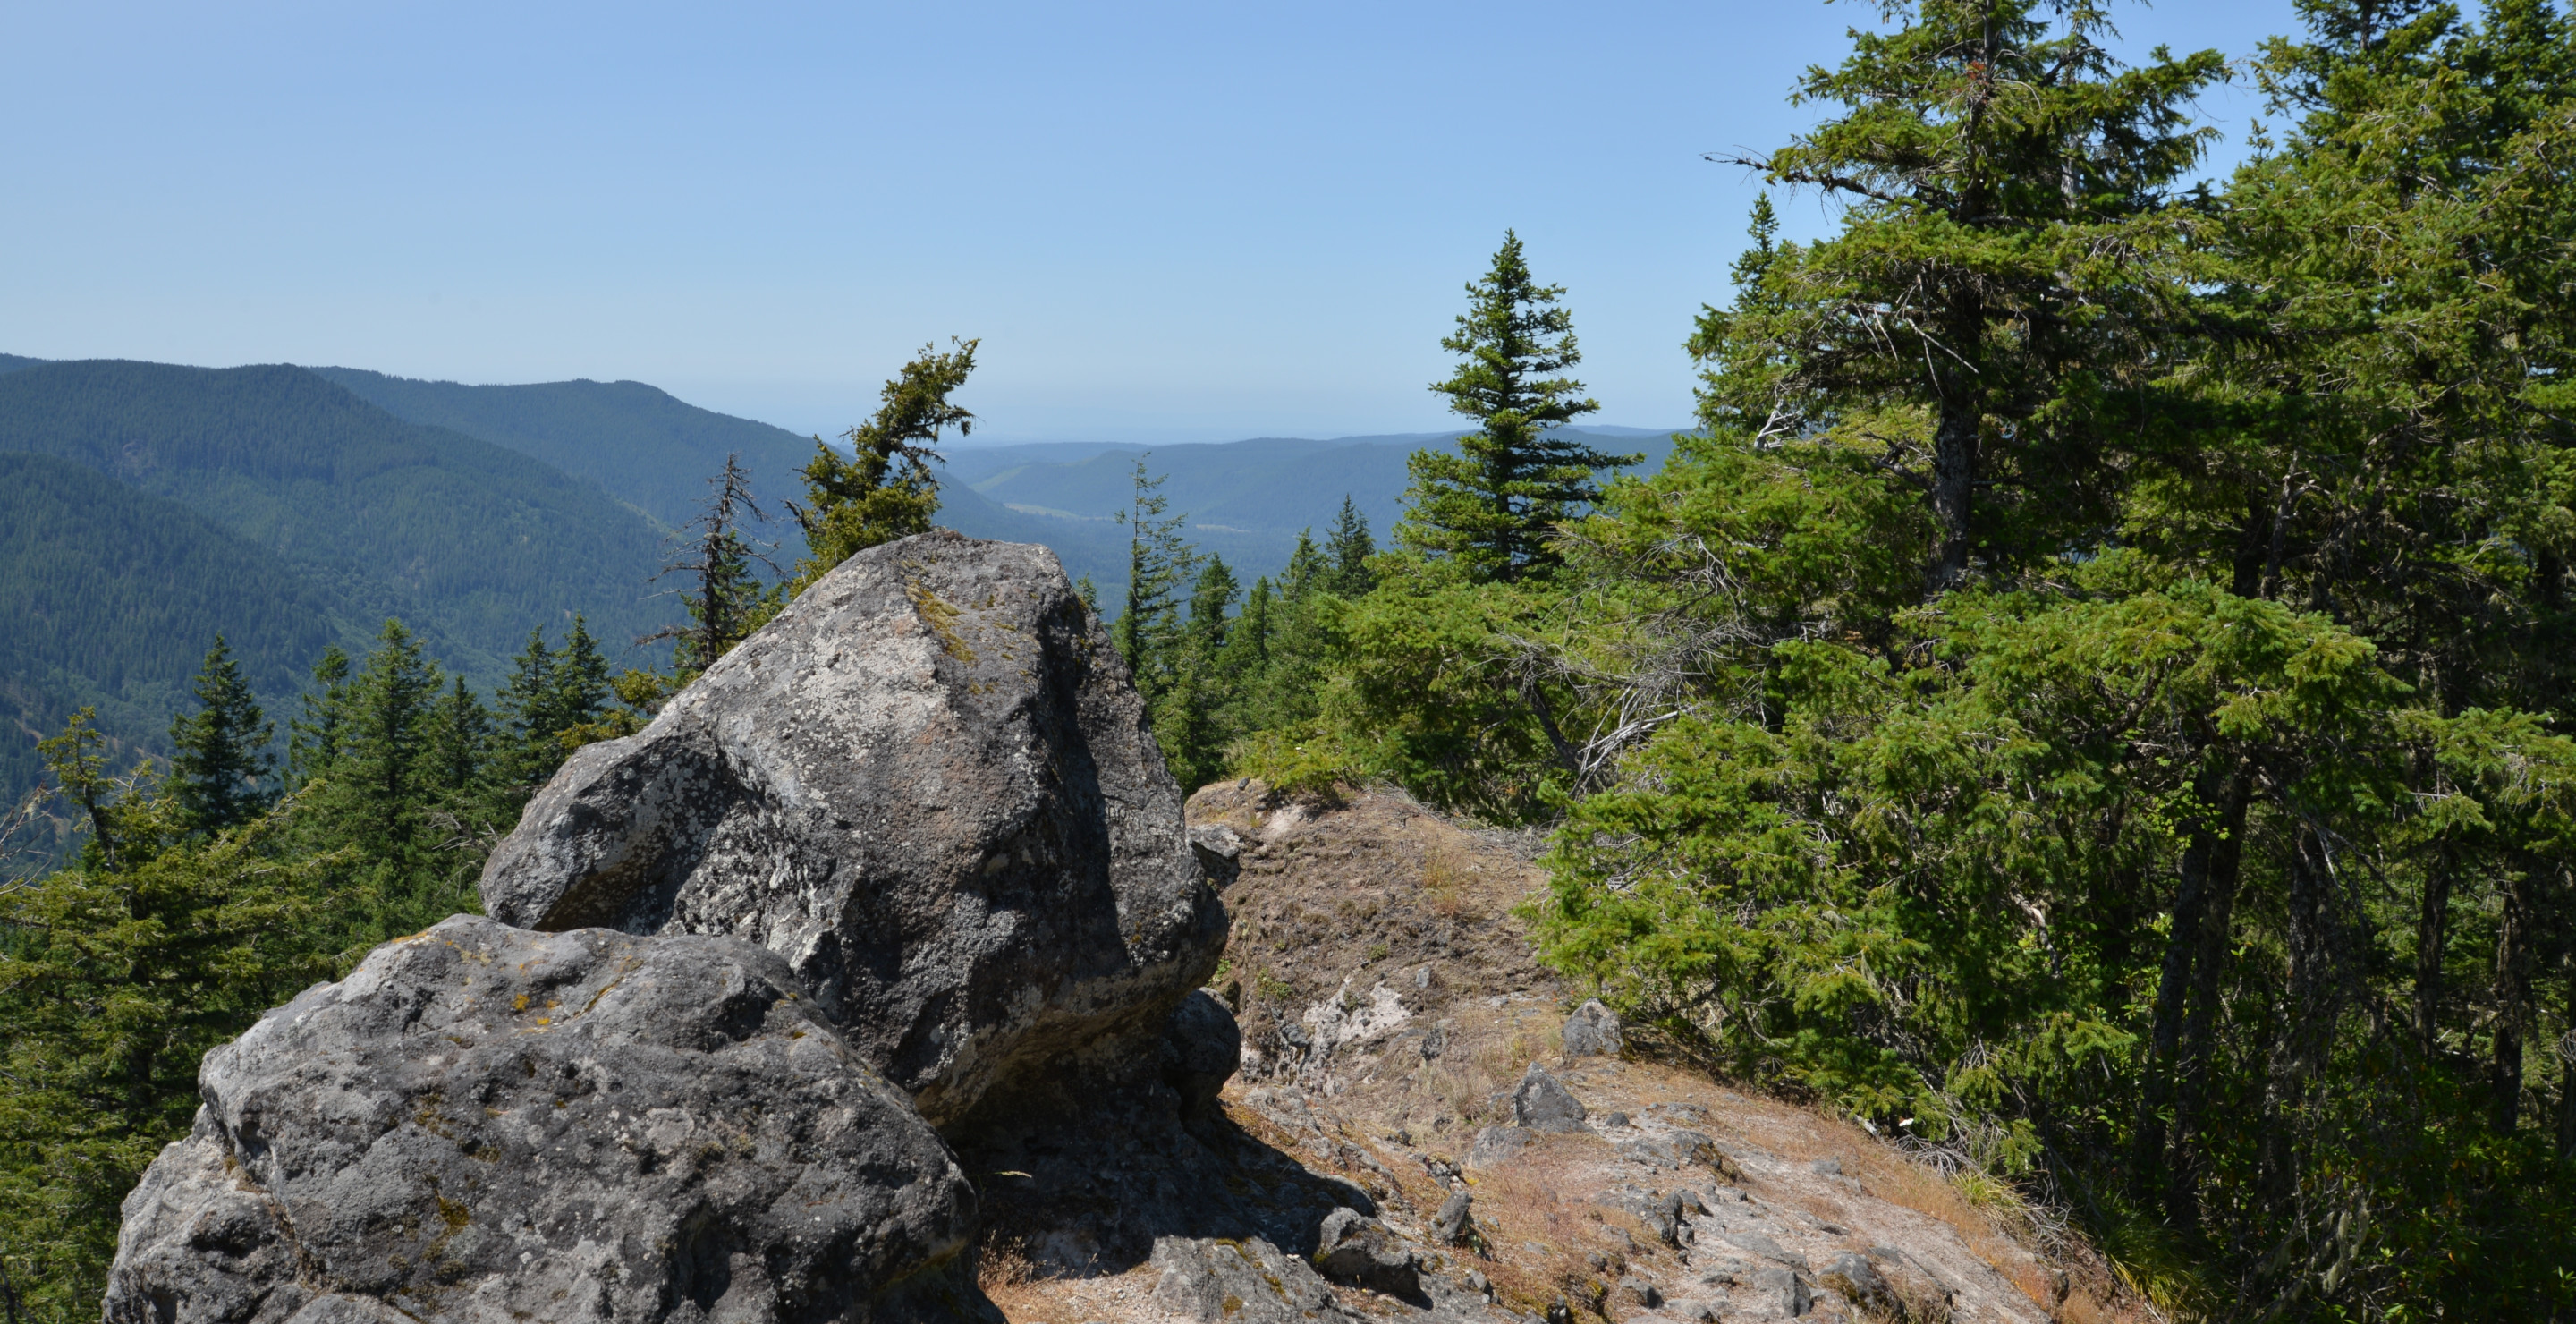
(2003, 275)
(725, 597)
(464, 538)
(884, 489)
(1493, 505)
(1148, 631)
(115, 978)
(222, 762)
(112, 595)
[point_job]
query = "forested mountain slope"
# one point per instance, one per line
(470, 542)
(634, 441)
(110, 597)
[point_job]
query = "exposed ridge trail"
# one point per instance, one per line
(1390, 1012)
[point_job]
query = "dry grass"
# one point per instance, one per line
(1551, 1247)
(1016, 1284)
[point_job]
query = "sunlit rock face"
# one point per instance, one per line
(929, 786)
(482, 1122)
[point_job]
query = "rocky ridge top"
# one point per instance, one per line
(879, 980)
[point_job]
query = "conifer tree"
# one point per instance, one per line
(1349, 548)
(1493, 506)
(221, 764)
(116, 977)
(387, 734)
(315, 736)
(884, 488)
(528, 713)
(1159, 563)
(726, 601)
(1998, 273)
(1211, 604)
(460, 742)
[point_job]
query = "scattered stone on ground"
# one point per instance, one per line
(1592, 1031)
(1391, 1013)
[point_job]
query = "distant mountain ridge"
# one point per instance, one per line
(634, 441)
(154, 504)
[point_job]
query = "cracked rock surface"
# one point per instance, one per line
(929, 787)
(485, 1123)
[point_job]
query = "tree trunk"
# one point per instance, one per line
(2200, 1028)
(2182, 944)
(2513, 999)
(2567, 1071)
(1954, 441)
(1954, 488)
(2432, 937)
(2305, 1014)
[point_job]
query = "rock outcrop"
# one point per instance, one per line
(928, 785)
(482, 1122)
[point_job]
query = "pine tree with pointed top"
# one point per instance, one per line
(1493, 506)
(1991, 313)
(1348, 549)
(1160, 562)
(221, 766)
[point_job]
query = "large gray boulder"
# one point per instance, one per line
(929, 786)
(484, 1123)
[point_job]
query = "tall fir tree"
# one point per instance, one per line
(1494, 505)
(461, 743)
(221, 766)
(1349, 548)
(315, 735)
(724, 597)
(1160, 561)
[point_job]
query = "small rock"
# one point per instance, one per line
(1723, 1271)
(1220, 851)
(1454, 1224)
(1541, 1104)
(1352, 1247)
(1592, 1031)
(1434, 1043)
(1697, 1312)
(1859, 1282)
(1780, 1291)
(1497, 1144)
(1238, 1282)
(1201, 1048)
(1615, 1119)
(1825, 1167)
(1477, 1283)
(1642, 1292)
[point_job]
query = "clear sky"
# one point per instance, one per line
(1167, 222)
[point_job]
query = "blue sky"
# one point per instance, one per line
(1167, 222)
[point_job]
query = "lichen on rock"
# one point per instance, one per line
(484, 1122)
